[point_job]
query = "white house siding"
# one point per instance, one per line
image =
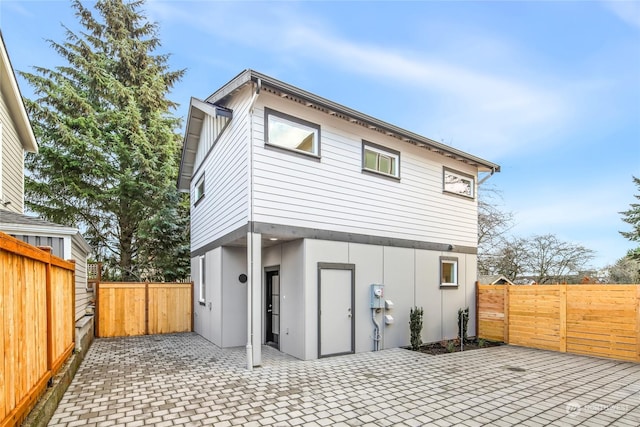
(224, 207)
(83, 298)
(411, 278)
(333, 193)
(12, 157)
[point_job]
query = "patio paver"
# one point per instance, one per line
(184, 380)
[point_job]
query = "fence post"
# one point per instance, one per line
(146, 308)
(477, 309)
(638, 323)
(96, 317)
(49, 308)
(563, 318)
(506, 313)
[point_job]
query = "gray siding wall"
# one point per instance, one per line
(12, 157)
(411, 278)
(225, 205)
(290, 257)
(55, 243)
(334, 194)
(83, 298)
(207, 318)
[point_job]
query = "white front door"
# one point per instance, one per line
(336, 319)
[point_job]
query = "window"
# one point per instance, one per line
(202, 284)
(379, 159)
(448, 272)
(459, 183)
(199, 190)
(292, 133)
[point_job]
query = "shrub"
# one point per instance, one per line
(451, 346)
(415, 326)
(463, 316)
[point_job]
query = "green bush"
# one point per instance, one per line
(463, 315)
(415, 326)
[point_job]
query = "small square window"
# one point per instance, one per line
(458, 183)
(379, 159)
(199, 191)
(292, 133)
(448, 272)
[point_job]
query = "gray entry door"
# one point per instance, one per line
(335, 309)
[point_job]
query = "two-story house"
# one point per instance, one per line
(299, 205)
(16, 138)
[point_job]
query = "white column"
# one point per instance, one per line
(254, 299)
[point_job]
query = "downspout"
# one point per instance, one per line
(250, 243)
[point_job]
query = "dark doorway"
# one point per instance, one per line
(272, 309)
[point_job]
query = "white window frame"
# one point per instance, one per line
(198, 191)
(202, 279)
(381, 150)
(295, 122)
(458, 188)
(454, 263)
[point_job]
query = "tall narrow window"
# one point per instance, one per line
(448, 272)
(458, 183)
(379, 159)
(198, 193)
(203, 279)
(285, 131)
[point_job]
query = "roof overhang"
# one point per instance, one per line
(13, 98)
(48, 231)
(316, 102)
(197, 111)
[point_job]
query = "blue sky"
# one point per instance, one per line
(548, 90)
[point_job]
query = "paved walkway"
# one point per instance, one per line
(183, 380)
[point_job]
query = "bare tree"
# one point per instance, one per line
(550, 259)
(493, 224)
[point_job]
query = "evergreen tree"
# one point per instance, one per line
(632, 217)
(109, 150)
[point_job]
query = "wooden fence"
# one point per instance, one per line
(127, 309)
(594, 320)
(37, 327)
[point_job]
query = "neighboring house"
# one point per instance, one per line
(299, 205)
(16, 138)
(495, 279)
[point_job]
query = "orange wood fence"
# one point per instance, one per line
(37, 327)
(126, 309)
(594, 320)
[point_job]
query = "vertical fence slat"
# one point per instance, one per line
(563, 318)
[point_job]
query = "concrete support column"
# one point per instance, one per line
(254, 298)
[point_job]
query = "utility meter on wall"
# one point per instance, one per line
(377, 294)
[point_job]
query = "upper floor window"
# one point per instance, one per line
(285, 131)
(458, 183)
(376, 158)
(199, 190)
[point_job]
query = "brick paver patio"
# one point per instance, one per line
(184, 380)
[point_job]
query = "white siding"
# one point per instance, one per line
(12, 158)
(224, 206)
(334, 194)
(83, 298)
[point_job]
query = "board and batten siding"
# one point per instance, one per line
(12, 158)
(225, 169)
(334, 194)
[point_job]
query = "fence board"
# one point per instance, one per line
(127, 309)
(600, 320)
(25, 328)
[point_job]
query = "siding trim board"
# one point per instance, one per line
(293, 233)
